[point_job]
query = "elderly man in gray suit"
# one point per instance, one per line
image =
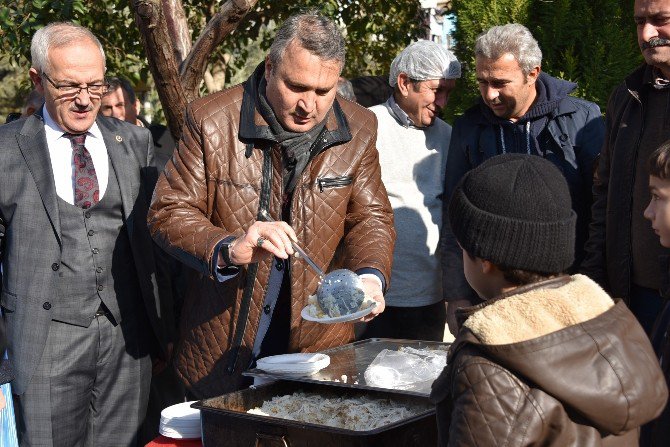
(78, 287)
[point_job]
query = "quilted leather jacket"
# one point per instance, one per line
(227, 168)
(557, 363)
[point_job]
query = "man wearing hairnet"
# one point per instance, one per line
(412, 142)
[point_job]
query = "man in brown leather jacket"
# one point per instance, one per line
(283, 143)
(547, 359)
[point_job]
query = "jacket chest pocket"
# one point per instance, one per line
(333, 182)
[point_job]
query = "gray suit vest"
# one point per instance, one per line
(96, 261)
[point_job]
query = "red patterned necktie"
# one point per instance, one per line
(86, 189)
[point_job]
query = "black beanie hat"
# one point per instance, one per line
(515, 210)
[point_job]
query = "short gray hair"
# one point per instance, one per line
(55, 35)
(512, 38)
(317, 34)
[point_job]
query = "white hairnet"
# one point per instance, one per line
(424, 60)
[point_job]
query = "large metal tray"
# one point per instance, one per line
(225, 421)
(352, 360)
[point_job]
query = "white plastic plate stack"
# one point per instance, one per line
(180, 421)
(300, 363)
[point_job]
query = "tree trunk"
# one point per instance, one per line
(162, 62)
(166, 42)
(177, 28)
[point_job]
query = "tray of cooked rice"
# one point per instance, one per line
(291, 413)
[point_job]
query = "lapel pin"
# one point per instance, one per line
(119, 138)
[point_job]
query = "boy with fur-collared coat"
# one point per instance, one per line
(546, 359)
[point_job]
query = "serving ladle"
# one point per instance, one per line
(340, 292)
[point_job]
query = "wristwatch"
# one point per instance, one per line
(225, 250)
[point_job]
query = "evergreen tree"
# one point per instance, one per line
(591, 43)
(375, 31)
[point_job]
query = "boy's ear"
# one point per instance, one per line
(487, 266)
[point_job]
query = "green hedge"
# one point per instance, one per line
(590, 42)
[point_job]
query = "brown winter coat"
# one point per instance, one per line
(226, 169)
(557, 363)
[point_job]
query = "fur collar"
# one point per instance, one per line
(538, 311)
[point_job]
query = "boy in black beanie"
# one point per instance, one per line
(546, 358)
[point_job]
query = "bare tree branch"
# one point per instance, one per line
(221, 25)
(177, 25)
(162, 62)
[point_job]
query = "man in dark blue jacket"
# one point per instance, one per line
(521, 110)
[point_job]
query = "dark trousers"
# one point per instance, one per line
(90, 388)
(411, 323)
(166, 390)
(646, 304)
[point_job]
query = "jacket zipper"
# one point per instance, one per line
(247, 294)
(334, 182)
(632, 187)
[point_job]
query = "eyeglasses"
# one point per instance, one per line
(94, 90)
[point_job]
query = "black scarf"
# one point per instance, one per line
(296, 146)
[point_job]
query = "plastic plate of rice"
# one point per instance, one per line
(312, 312)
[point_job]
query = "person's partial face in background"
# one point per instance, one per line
(505, 89)
(423, 101)
(79, 64)
(653, 32)
(116, 103)
(301, 88)
(658, 210)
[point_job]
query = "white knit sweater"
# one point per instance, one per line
(413, 163)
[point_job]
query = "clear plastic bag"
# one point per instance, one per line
(405, 368)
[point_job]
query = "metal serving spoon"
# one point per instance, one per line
(340, 292)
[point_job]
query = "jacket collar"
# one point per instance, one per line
(398, 113)
(464, 313)
(33, 145)
(639, 78)
(545, 82)
(533, 312)
(121, 157)
(254, 127)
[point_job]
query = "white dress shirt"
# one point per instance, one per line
(60, 151)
